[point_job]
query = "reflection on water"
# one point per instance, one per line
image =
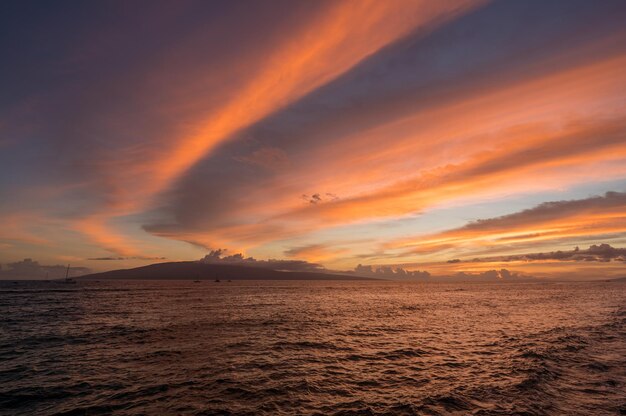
(312, 348)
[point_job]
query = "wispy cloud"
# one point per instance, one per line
(291, 133)
(316, 252)
(596, 253)
(319, 50)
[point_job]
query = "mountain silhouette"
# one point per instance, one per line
(193, 270)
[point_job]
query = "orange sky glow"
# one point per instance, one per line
(455, 137)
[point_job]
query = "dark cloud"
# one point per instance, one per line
(551, 211)
(214, 255)
(30, 269)
(595, 253)
(196, 244)
(387, 272)
(217, 257)
(128, 258)
(318, 198)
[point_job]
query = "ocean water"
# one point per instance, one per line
(312, 348)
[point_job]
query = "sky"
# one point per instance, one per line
(453, 137)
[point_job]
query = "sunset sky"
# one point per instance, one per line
(446, 136)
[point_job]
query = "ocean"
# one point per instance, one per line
(312, 348)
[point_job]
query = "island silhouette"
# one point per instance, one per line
(193, 270)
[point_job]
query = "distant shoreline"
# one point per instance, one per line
(188, 270)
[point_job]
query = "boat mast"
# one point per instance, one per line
(67, 272)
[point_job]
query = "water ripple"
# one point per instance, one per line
(312, 348)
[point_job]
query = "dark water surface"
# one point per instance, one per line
(131, 348)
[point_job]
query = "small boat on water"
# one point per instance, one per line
(67, 280)
(196, 281)
(217, 280)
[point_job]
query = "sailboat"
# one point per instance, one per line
(67, 280)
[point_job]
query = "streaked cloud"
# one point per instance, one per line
(599, 252)
(316, 252)
(555, 220)
(326, 132)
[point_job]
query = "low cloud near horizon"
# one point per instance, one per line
(217, 257)
(30, 269)
(388, 272)
(110, 258)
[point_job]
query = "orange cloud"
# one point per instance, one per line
(487, 171)
(101, 233)
(316, 252)
(18, 227)
(318, 52)
(494, 141)
(545, 223)
(321, 51)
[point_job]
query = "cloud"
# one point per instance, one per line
(127, 258)
(487, 170)
(610, 202)
(316, 252)
(387, 272)
(315, 198)
(555, 221)
(144, 113)
(322, 45)
(269, 158)
(318, 198)
(491, 275)
(399, 273)
(216, 257)
(210, 133)
(420, 124)
(484, 174)
(100, 232)
(595, 253)
(30, 269)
